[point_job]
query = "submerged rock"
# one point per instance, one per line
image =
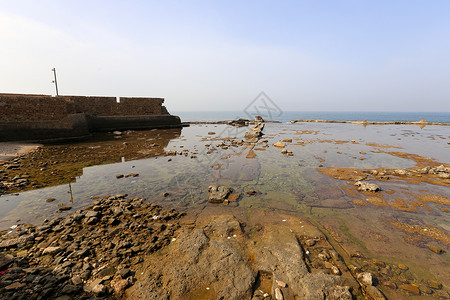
(218, 194)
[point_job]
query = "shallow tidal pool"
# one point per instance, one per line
(397, 226)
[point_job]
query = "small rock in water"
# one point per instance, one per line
(402, 267)
(50, 200)
(279, 145)
(64, 208)
(435, 249)
(281, 283)
(251, 192)
(365, 278)
(217, 194)
(310, 242)
(411, 288)
(118, 176)
(335, 270)
(375, 293)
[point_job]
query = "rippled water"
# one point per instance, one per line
(289, 184)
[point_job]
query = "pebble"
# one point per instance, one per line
(435, 249)
(281, 283)
(411, 288)
(51, 250)
(310, 242)
(402, 267)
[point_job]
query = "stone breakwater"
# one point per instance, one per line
(91, 252)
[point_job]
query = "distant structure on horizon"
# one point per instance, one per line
(44, 117)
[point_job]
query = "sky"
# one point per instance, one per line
(345, 55)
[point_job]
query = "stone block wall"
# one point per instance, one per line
(31, 108)
(17, 107)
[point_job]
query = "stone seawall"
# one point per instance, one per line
(43, 117)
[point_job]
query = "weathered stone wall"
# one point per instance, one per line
(31, 108)
(42, 117)
(16, 107)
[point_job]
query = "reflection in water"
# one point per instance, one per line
(288, 184)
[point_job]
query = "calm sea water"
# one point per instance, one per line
(189, 116)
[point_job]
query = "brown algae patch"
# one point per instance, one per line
(359, 202)
(428, 231)
(438, 199)
(377, 201)
(375, 145)
(343, 173)
(420, 160)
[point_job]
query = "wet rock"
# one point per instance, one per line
(255, 132)
(239, 122)
(281, 283)
(50, 200)
(119, 285)
(5, 260)
(51, 250)
(99, 289)
(310, 242)
(16, 241)
(435, 249)
(279, 145)
(217, 194)
(390, 284)
(367, 187)
(77, 280)
(251, 192)
(124, 273)
(14, 286)
(410, 288)
(278, 294)
(65, 208)
(434, 284)
(378, 263)
(118, 176)
(374, 293)
(402, 267)
(335, 270)
(91, 214)
(365, 278)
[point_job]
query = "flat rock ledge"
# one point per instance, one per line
(89, 254)
(217, 259)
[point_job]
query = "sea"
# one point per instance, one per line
(191, 116)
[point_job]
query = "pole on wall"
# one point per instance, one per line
(55, 82)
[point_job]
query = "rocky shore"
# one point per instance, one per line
(88, 254)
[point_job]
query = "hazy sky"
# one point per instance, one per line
(219, 55)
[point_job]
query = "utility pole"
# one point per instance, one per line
(55, 82)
